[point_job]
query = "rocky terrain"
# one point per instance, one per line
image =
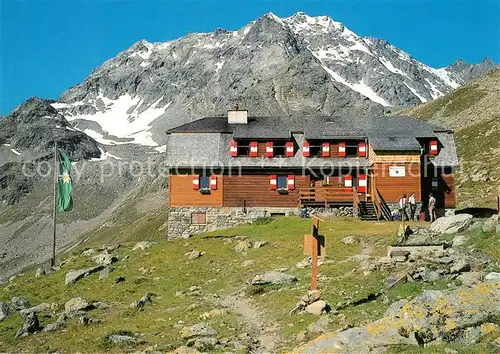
(237, 291)
(473, 111)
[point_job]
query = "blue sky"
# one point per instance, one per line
(49, 46)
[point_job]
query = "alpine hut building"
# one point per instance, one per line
(228, 170)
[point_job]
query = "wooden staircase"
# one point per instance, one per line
(367, 211)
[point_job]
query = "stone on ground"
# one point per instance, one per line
(76, 304)
(348, 240)
(204, 344)
(198, 330)
(57, 325)
(470, 278)
(273, 277)
(104, 258)
(74, 275)
(451, 224)
(194, 254)
(320, 326)
(103, 274)
(142, 301)
(142, 245)
(259, 244)
(422, 317)
(491, 224)
(124, 339)
(460, 266)
(317, 308)
(43, 307)
(458, 241)
(6, 310)
(39, 272)
(492, 277)
(29, 326)
(243, 246)
(20, 303)
(248, 263)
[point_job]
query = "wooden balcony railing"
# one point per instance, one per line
(326, 196)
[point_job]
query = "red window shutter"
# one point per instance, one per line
(348, 183)
(234, 148)
(325, 149)
(213, 182)
(433, 147)
(253, 149)
(289, 149)
(305, 149)
(362, 149)
(342, 149)
(274, 182)
(290, 182)
(196, 182)
(362, 183)
(269, 149)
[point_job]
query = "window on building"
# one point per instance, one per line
(198, 218)
(204, 182)
(282, 182)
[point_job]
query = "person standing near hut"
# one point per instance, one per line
(402, 208)
(413, 205)
(432, 207)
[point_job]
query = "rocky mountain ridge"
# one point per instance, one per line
(300, 65)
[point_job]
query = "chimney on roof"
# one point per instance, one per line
(237, 116)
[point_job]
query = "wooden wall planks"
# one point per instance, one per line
(392, 188)
(182, 193)
(256, 191)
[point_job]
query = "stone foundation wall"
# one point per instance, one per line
(179, 219)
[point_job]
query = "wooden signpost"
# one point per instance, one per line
(314, 244)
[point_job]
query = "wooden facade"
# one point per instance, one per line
(234, 191)
(182, 193)
(254, 191)
(393, 187)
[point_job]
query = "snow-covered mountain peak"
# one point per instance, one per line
(299, 65)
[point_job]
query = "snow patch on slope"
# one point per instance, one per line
(115, 120)
(421, 98)
(359, 87)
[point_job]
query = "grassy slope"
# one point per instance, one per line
(473, 111)
(220, 272)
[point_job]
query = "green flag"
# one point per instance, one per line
(65, 187)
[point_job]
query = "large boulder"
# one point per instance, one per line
(451, 224)
(273, 277)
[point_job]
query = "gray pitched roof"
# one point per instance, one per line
(205, 142)
(314, 127)
(448, 154)
(400, 143)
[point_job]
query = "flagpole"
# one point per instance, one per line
(54, 211)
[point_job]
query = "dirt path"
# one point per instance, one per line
(255, 322)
